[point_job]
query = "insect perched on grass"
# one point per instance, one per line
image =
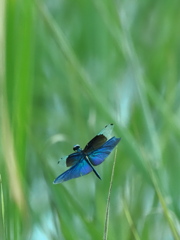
(94, 153)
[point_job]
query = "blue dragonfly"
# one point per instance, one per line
(94, 153)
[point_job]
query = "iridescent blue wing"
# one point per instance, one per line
(99, 139)
(99, 155)
(80, 169)
(71, 159)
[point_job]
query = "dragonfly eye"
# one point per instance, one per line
(76, 147)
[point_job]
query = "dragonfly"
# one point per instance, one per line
(82, 161)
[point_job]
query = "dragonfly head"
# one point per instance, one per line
(76, 147)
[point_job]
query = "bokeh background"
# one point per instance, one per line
(67, 69)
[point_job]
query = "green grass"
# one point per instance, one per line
(67, 69)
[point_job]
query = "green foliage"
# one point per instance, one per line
(67, 69)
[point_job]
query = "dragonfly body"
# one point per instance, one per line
(94, 153)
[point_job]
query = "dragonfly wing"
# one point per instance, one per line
(74, 158)
(99, 139)
(79, 169)
(62, 161)
(107, 130)
(71, 159)
(99, 155)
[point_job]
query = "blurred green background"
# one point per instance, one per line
(67, 69)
